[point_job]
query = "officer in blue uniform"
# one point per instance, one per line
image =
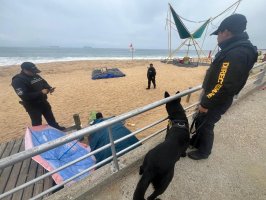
(151, 73)
(32, 90)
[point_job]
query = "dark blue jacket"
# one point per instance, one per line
(151, 72)
(29, 88)
(229, 71)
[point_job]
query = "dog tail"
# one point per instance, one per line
(142, 186)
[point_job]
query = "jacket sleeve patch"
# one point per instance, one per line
(19, 91)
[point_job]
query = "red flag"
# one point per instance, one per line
(131, 46)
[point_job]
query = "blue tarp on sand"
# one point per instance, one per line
(106, 73)
(58, 156)
(101, 138)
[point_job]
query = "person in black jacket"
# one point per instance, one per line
(151, 73)
(225, 78)
(32, 90)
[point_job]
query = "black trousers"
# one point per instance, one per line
(151, 79)
(38, 109)
(203, 139)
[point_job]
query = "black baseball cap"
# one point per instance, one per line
(30, 67)
(235, 23)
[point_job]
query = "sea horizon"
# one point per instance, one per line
(16, 55)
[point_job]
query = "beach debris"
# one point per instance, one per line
(130, 124)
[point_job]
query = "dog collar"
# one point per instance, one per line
(177, 123)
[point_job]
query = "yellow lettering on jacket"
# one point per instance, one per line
(220, 81)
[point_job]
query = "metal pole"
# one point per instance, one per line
(170, 36)
(113, 148)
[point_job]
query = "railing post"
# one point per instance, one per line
(113, 148)
(77, 121)
(77, 124)
(188, 96)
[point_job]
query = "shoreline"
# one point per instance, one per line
(77, 93)
(17, 55)
(85, 59)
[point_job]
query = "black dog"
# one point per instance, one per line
(159, 162)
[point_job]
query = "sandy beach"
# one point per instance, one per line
(77, 93)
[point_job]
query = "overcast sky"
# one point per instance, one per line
(115, 23)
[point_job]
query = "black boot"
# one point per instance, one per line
(61, 128)
(196, 155)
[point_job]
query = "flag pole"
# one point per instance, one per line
(132, 49)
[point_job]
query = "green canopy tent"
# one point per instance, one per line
(189, 38)
(182, 30)
(185, 34)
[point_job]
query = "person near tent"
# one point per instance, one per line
(32, 90)
(151, 73)
(225, 78)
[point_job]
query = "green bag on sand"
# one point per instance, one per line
(92, 116)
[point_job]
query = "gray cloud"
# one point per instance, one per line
(113, 23)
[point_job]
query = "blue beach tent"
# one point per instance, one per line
(101, 138)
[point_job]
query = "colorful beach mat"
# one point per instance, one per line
(58, 156)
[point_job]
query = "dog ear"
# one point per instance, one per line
(166, 94)
(179, 99)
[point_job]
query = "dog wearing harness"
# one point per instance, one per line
(159, 163)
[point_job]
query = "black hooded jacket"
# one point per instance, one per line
(151, 72)
(229, 71)
(29, 88)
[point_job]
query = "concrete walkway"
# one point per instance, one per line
(236, 170)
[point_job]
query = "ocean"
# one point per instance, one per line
(17, 55)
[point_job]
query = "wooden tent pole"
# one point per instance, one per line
(170, 36)
(196, 48)
(176, 50)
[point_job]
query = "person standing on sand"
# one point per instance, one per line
(226, 76)
(151, 73)
(32, 90)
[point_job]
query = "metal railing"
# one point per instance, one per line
(256, 79)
